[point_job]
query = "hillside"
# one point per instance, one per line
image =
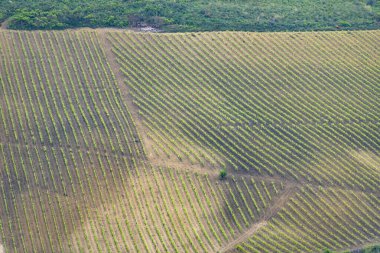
(113, 141)
(196, 15)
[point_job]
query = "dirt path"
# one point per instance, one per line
(4, 26)
(127, 98)
(214, 172)
(276, 205)
(290, 184)
(120, 78)
(247, 234)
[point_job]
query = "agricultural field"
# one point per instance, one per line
(113, 141)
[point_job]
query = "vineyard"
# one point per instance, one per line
(113, 141)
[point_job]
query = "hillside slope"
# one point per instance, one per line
(299, 107)
(113, 141)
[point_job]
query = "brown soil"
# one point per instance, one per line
(247, 234)
(4, 26)
(276, 205)
(125, 93)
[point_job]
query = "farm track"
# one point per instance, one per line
(4, 25)
(247, 234)
(125, 94)
(271, 211)
(280, 202)
(289, 183)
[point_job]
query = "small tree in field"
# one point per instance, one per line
(222, 174)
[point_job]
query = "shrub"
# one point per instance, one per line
(222, 174)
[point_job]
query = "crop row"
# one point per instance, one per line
(189, 89)
(326, 218)
(47, 208)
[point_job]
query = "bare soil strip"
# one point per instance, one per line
(289, 184)
(276, 205)
(4, 26)
(125, 93)
(247, 234)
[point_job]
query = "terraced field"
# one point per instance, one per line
(113, 141)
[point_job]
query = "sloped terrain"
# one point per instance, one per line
(113, 141)
(298, 107)
(292, 105)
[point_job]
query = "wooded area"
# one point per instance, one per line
(198, 15)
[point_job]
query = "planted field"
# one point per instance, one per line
(113, 141)
(301, 106)
(62, 125)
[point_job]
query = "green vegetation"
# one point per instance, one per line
(74, 175)
(222, 174)
(198, 15)
(113, 141)
(280, 105)
(370, 249)
(234, 100)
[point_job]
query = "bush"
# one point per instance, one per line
(222, 174)
(197, 15)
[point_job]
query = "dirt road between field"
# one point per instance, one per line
(280, 202)
(270, 212)
(4, 26)
(247, 234)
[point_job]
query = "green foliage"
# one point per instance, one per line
(35, 19)
(367, 249)
(2, 16)
(372, 249)
(183, 15)
(222, 174)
